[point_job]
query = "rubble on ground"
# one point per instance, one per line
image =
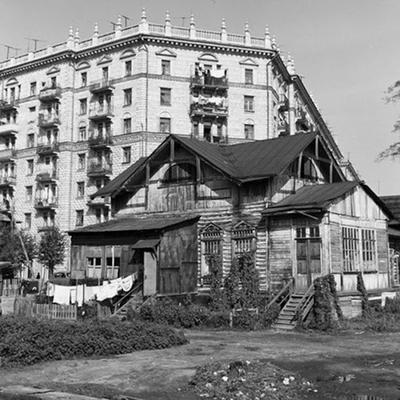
(245, 380)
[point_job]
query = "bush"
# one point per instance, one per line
(26, 341)
(392, 306)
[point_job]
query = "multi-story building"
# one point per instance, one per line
(75, 114)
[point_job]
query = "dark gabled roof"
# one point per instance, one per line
(251, 160)
(131, 224)
(315, 197)
(242, 162)
(116, 184)
(393, 203)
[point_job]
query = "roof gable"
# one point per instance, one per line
(166, 53)
(53, 70)
(104, 60)
(248, 61)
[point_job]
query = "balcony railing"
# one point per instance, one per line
(102, 85)
(7, 154)
(209, 109)
(49, 120)
(99, 140)
(46, 203)
(99, 169)
(8, 180)
(8, 129)
(47, 149)
(8, 105)
(99, 202)
(50, 93)
(48, 176)
(98, 111)
(209, 81)
(45, 228)
(283, 102)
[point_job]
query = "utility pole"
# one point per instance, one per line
(113, 25)
(35, 43)
(126, 19)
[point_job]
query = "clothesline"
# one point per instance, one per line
(80, 294)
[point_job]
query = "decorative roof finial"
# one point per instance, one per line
(144, 17)
(70, 41)
(224, 35)
(246, 27)
(223, 24)
(167, 24)
(192, 27)
(167, 17)
(274, 47)
(192, 20)
(119, 22)
(77, 36)
(143, 26)
(267, 38)
(247, 37)
(71, 32)
(96, 30)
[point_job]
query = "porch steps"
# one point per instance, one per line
(134, 303)
(287, 317)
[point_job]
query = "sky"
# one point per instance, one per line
(345, 50)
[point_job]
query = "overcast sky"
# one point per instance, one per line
(346, 51)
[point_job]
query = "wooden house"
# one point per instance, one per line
(285, 199)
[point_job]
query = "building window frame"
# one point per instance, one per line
(127, 125)
(80, 190)
(126, 154)
(127, 97)
(211, 245)
(165, 124)
(165, 96)
(243, 239)
(165, 67)
(79, 217)
(249, 131)
(248, 104)
(249, 76)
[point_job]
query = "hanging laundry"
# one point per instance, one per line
(73, 295)
(90, 293)
(62, 294)
(79, 295)
(50, 289)
(127, 283)
(102, 292)
(217, 73)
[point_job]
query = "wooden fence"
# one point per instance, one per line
(24, 306)
(10, 287)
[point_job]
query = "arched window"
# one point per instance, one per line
(180, 173)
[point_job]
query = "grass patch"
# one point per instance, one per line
(26, 341)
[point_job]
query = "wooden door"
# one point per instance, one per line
(150, 273)
(308, 262)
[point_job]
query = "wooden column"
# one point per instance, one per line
(299, 165)
(172, 151)
(331, 172)
(147, 183)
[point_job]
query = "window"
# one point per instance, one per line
(32, 91)
(28, 193)
(82, 133)
(211, 251)
(112, 267)
(368, 242)
(126, 154)
(32, 109)
(48, 220)
(53, 81)
(127, 125)
(30, 140)
(79, 217)
(98, 183)
(105, 73)
(94, 267)
(351, 249)
(243, 236)
(165, 67)
(127, 97)
(182, 172)
(165, 125)
(80, 189)
(248, 76)
(82, 106)
(81, 161)
(128, 68)
(165, 96)
(83, 79)
(249, 103)
(28, 221)
(98, 215)
(29, 167)
(249, 131)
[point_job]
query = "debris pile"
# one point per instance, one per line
(243, 380)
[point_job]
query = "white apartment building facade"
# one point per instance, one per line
(76, 114)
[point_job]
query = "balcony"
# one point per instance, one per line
(52, 93)
(100, 86)
(99, 202)
(283, 102)
(302, 122)
(8, 105)
(46, 204)
(283, 127)
(49, 120)
(5, 206)
(99, 112)
(48, 149)
(99, 141)
(208, 81)
(46, 228)
(99, 169)
(209, 110)
(8, 181)
(47, 177)
(7, 155)
(8, 129)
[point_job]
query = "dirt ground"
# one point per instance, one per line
(347, 366)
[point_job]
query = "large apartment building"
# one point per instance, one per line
(75, 114)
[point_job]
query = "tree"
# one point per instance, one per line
(18, 247)
(52, 249)
(392, 96)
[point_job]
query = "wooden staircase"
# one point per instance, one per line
(295, 310)
(133, 299)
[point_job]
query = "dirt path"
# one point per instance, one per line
(373, 359)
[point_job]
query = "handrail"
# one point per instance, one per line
(304, 300)
(134, 289)
(289, 286)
